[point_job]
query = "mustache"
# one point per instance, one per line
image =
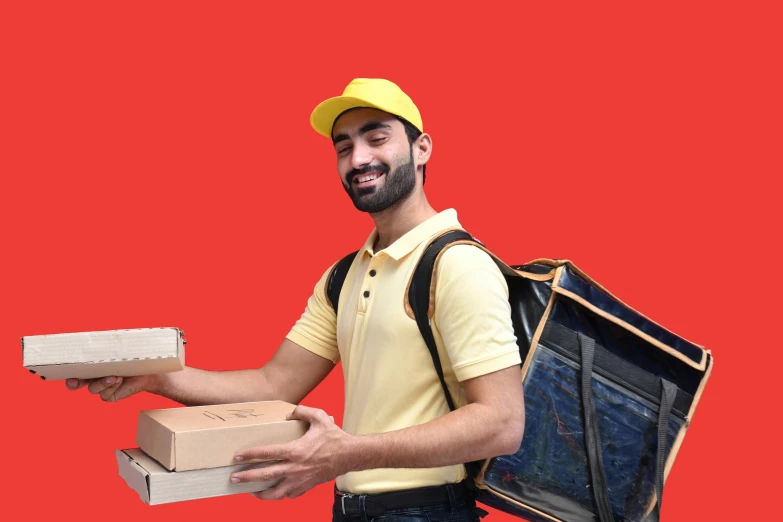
(382, 169)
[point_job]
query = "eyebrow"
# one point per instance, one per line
(367, 127)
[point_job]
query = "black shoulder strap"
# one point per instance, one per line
(337, 278)
(419, 298)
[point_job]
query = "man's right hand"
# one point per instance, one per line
(289, 376)
(112, 389)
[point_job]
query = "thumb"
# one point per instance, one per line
(130, 386)
(305, 413)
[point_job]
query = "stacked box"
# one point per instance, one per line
(188, 453)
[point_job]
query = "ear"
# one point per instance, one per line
(422, 150)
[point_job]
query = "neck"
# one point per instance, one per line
(401, 218)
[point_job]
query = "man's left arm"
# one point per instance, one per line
(477, 332)
(490, 424)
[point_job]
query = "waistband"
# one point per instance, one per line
(377, 504)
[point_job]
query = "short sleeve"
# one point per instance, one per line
(473, 314)
(316, 329)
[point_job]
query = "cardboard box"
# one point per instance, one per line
(87, 355)
(200, 437)
(157, 485)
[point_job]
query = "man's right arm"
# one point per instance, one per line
(289, 376)
(302, 360)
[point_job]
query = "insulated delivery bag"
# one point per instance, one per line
(609, 394)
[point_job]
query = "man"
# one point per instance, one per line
(401, 450)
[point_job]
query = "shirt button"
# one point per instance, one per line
(372, 273)
(366, 293)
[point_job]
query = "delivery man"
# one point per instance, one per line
(400, 452)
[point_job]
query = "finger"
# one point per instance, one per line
(127, 388)
(271, 452)
(301, 490)
(278, 492)
(266, 474)
(98, 385)
(108, 393)
(305, 413)
(75, 384)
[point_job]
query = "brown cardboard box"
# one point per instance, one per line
(200, 437)
(157, 485)
(87, 355)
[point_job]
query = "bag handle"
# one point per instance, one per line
(668, 394)
(593, 440)
(592, 437)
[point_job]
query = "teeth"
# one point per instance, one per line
(370, 177)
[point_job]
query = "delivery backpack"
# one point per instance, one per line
(608, 393)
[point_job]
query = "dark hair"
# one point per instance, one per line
(413, 134)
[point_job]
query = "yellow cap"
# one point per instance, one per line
(365, 92)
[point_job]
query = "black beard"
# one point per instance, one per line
(397, 186)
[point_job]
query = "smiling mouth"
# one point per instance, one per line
(367, 180)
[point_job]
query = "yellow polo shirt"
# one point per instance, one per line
(390, 379)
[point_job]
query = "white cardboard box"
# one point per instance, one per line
(87, 355)
(157, 485)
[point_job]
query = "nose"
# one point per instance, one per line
(361, 155)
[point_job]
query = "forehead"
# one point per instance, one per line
(351, 121)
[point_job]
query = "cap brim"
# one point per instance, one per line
(323, 116)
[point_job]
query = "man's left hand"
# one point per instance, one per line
(319, 456)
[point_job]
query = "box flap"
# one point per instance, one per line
(145, 462)
(135, 476)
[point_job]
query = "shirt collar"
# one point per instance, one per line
(414, 237)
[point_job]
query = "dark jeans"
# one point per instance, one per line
(463, 510)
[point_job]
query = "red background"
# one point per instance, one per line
(158, 169)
